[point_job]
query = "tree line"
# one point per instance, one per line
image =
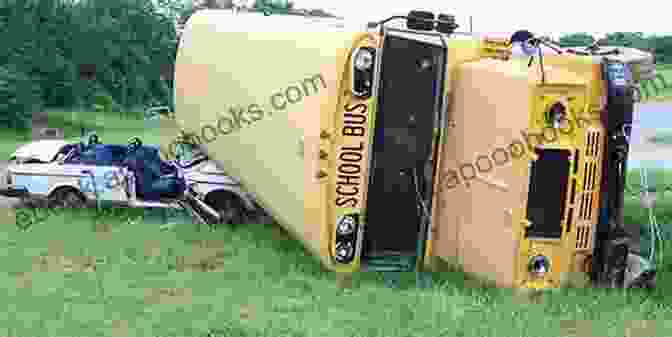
(118, 54)
(68, 53)
(94, 54)
(659, 45)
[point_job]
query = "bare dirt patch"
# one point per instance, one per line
(580, 328)
(24, 280)
(246, 312)
(637, 328)
(56, 262)
(103, 231)
(168, 296)
(207, 255)
(120, 328)
(152, 248)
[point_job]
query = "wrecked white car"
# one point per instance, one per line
(73, 174)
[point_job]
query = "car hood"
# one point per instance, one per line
(53, 169)
(42, 150)
(210, 167)
(209, 172)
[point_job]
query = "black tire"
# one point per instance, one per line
(420, 25)
(230, 208)
(647, 281)
(263, 218)
(66, 198)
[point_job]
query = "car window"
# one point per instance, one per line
(109, 154)
(101, 155)
(190, 155)
(87, 157)
(64, 150)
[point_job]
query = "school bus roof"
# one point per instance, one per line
(256, 21)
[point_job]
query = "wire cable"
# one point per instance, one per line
(654, 229)
(421, 202)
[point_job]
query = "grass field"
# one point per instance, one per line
(125, 275)
(665, 94)
(112, 127)
(70, 276)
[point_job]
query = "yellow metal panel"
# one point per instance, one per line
(259, 95)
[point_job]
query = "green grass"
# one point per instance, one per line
(151, 280)
(255, 281)
(666, 71)
(111, 127)
(665, 94)
(261, 284)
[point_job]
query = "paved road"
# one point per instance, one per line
(654, 115)
(650, 118)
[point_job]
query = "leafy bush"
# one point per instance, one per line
(128, 41)
(102, 102)
(19, 98)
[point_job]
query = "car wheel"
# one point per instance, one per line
(229, 207)
(263, 218)
(66, 198)
(644, 283)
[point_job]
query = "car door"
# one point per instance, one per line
(97, 179)
(106, 183)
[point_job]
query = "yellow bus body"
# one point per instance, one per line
(276, 109)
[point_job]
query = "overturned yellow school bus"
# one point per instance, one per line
(357, 141)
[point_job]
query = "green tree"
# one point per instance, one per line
(19, 98)
(576, 40)
(662, 47)
(628, 39)
(130, 42)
